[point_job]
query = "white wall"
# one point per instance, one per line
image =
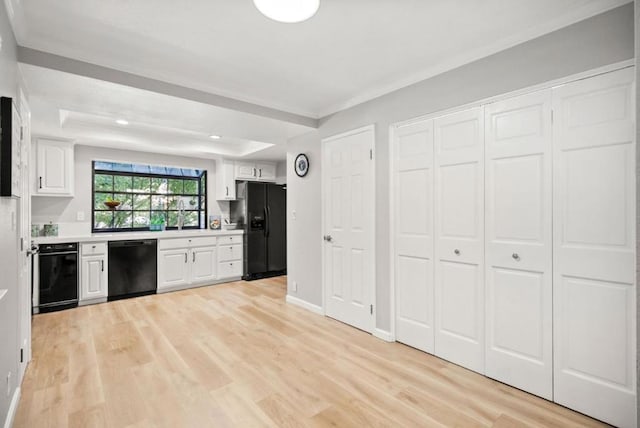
(281, 172)
(304, 243)
(9, 343)
(64, 210)
(598, 41)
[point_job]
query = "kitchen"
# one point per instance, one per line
(199, 228)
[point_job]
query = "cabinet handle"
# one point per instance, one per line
(194, 257)
(40, 182)
(260, 172)
(516, 257)
(102, 265)
(227, 190)
(185, 257)
(254, 172)
(456, 252)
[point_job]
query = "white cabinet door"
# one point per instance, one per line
(348, 227)
(94, 278)
(173, 268)
(204, 262)
(518, 243)
(266, 171)
(459, 231)
(413, 252)
(245, 171)
(229, 252)
(232, 269)
(594, 247)
(225, 181)
(54, 168)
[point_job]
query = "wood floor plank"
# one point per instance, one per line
(237, 355)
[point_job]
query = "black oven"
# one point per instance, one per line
(58, 279)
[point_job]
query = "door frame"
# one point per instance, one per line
(478, 103)
(324, 192)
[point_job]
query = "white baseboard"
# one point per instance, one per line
(306, 305)
(13, 408)
(384, 335)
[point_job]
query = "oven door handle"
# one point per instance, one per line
(58, 254)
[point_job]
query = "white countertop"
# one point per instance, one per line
(123, 236)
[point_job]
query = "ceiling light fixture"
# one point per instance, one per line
(288, 11)
(214, 137)
(122, 122)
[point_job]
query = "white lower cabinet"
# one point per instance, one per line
(203, 264)
(93, 273)
(173, 268)
(230, 269)
(514, 242)
(185, 262)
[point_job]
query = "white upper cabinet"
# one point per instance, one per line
(594, 241)
(518, 242)
(266, 171)
(251, 171)
(245, 171)
(225, 181)
(54, 168)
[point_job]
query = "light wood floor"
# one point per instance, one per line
(238, 355)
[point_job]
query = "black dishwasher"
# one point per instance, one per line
(133, 267)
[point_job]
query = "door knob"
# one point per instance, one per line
(328, 238)
(516, 257)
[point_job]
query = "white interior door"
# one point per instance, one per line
(413, 245)
(348, 207)
(594, 247)
(518, 243)
(459, 231)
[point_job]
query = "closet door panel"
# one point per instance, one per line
(413, 266)
(594, 247)
(459, 219)
(518, 242)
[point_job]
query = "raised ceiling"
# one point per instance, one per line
(350, 51)
(85, 110)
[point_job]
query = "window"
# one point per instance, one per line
(131, 197)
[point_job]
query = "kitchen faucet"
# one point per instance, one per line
(180, 214)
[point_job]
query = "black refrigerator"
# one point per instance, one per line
(261, 209)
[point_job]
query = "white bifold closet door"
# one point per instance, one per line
(594, 247)
(459, 243)
(519, 243)
(413, 181)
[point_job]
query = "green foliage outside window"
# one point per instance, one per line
(145, 198)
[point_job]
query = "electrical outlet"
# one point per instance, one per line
(294, 286)
(8, 384)
(80, 216)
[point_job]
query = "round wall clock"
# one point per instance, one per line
(301, 165)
